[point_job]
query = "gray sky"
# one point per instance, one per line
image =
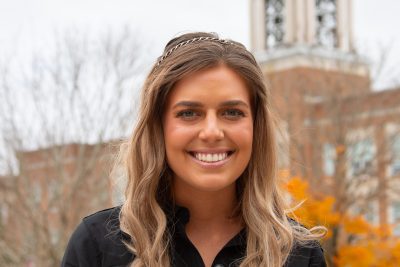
(27, 23)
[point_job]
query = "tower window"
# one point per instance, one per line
(274, 22)
(396, 217)
(360, 157)
(394, 148)
(326, 22)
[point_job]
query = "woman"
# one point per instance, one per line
(201, 168)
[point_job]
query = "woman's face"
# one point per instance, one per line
(208, 129)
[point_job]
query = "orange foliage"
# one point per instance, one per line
(371, 253)
(312, 211)
(369, 245)
(357, 226)
(355, 256)
(297, 188)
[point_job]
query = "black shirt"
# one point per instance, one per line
(98, 242)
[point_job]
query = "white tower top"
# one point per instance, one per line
(314, 23)
(304, 33)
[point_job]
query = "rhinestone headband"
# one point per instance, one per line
(184, 43)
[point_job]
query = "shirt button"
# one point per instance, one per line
(218, 265)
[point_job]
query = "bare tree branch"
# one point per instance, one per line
(58, 120)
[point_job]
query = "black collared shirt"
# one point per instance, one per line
(98, 242)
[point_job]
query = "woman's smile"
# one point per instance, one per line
(211, 159)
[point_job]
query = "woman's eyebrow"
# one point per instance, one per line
(195, 104)
(192, 104)
(231, 103)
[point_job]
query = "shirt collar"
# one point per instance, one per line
(179, 216)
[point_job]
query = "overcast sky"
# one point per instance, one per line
(24, 23)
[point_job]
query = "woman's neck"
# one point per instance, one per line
(212, 222)
(207, 207)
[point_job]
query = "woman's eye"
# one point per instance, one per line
(187, 114)
(233, 113)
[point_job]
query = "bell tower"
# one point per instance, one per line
(306, 51)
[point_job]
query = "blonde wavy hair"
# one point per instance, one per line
(270, 234)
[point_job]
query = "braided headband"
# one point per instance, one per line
(184, 43)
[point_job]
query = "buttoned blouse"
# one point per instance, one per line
(98, 242)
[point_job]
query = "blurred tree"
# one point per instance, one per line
(58, 116)
(366, 244)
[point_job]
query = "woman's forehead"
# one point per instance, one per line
(218, 84)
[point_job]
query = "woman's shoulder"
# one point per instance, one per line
(97, 240)
(104, 220)
(306, 254)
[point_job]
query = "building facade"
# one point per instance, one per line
(337, 132)
(53, 190)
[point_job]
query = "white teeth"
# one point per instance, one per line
(207, 157)
(215, 157)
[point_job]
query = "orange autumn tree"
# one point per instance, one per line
(362, 244)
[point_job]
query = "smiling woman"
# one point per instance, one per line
(201, 168)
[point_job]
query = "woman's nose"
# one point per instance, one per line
(211, 130)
